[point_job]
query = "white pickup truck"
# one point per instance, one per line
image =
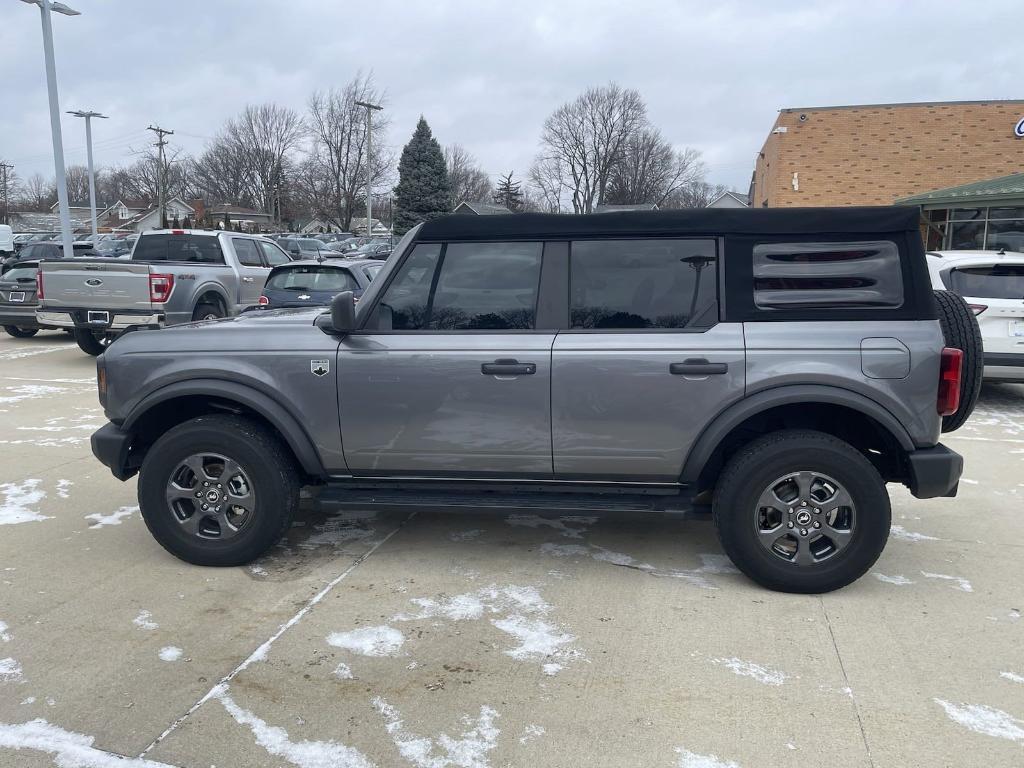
(172, 276)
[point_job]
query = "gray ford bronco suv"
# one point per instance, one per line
(776, 366)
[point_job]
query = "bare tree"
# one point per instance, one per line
(589, 136)
(221, 174)
(650, 170)
(77, 177)
(548, 185)
(336, 171)
(697, 194)
(267, 134)
(468, 180)
(37, 193)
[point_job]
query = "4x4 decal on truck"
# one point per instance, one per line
(319, 367)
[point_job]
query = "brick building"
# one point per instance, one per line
(876, 154)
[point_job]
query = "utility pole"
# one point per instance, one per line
(92, 176)
(369, 159)
(161, 142)
(4, 169)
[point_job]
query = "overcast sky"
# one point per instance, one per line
(486, 74)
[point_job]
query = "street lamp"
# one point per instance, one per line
(92, 177)
(369, 159)
(45, 6)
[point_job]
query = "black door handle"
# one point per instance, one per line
(505, 367)
(697, 366)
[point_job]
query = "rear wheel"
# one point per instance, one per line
(92, 342)
(207, 312)
(20, 333)
(960, 331)
(801, 511)
(218, 490)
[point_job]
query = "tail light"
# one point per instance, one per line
(101, 380)
(264, 301)
(39, 284)
(950, 370)
(160, 287)
(977, 309)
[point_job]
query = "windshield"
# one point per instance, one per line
(996, 281)
(20, 275)
(312, 279)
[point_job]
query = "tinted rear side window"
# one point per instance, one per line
(247, 253)
(841, 274)
(998, 281)
(189, 248)
(313, 279)
(638, 284)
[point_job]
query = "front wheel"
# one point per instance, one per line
(801, 511)
(218, 490)
(20, 333)
(93, 343)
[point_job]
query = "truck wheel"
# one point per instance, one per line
(960, 330)
(92, 342)
(20, 333)
(207, 312)
(218, 490)
(801, 511)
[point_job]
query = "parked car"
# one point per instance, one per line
(992, 283)
(47, 249)
(21, 239)
(371, 251)
(7, 248)
(173, 276)
(18, 300)
(332, 237)
(785, 364)
(315, 283)
(302, 247)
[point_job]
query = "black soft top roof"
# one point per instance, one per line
(866, 220)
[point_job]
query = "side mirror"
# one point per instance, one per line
(342, 318)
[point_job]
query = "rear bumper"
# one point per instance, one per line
(112, 446)
(1004, 366)
(22, 317)
(934, 472)
(98, 319)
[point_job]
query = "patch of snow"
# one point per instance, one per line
(961, 583)
(69, 750)
(689, 759)
(551, 669)
(570, 526)
(10, 670)
(343, 672)
(899, 532)
(114, 518)
(27, 392)
(145, 621)
(1012, 676)
(763, 675)
(5, 636)
(790, 745)
(412, 665)
(20, 352)
(29, 700)
(984, 720)
(467, 751)
(305, 754)
(257, 570)
(899, 580)
(18, 500)
(537, 638)
(465, 535)
(969, 482)
(710, 563)
(531, 732)
(1014, 614)
(369, 641)
(63, 488)
(170, 653)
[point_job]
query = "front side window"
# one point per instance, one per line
(248, 255)
(621, 284)
(464, 287)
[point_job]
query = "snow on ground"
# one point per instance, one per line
(64, 488)
(170, 653)
(369, 641)
(689, 759)
(961, 583)
(10, 670)
(984, 720)
(899, 579)
(899, 532)
(116, 517)
(467, 751)
(69, 750)
(145, 621)
(764, 675)
(18, 500)
(570, 526)
(711, 564)
(5, 636)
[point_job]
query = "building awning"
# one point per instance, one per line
(976, 193)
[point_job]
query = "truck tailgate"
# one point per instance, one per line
(95, 284)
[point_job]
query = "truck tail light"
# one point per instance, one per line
(160, 287)
(950, 370)
(39, 284)
(264, 301)
(977, 309)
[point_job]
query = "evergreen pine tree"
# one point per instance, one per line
(509, 193)
(424, 191)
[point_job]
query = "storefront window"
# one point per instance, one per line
(966, 214)
(967, 235)
(976, 228)
(1008, 235)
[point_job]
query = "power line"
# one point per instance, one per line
(161, 142)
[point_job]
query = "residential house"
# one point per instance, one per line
(730, 199)
(480, 208)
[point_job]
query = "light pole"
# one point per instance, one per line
(92, 176)
(369, 159)
(45, 6)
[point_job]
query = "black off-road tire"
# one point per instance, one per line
(90, 343)
(756, 466)
(263, 457)
(207, 312)
(20, 333)
(960, 330)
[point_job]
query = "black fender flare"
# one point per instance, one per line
(213, 287)
(279, 417)
(765, 400)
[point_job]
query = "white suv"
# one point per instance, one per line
(992, 282)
